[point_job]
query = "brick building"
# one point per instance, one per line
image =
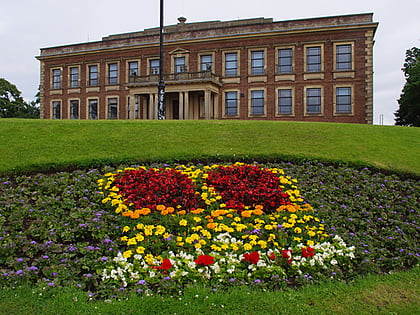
(316, 69)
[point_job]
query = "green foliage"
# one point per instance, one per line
(13, 105)
(408, 113)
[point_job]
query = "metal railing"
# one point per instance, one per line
(174, 77)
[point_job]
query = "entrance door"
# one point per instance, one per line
(175, 109)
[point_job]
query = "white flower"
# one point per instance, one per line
(333, 262)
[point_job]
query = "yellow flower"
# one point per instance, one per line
(127, 253)
(263, 244)
(297, 239)
(160, 230)
(234, 246)
(310, 243)
(215, 247)
(126, 228)
(297, 230)
(139, 237)
(268, 227)
(311, 233)
(149, 259)
(132, 241)
(247, 246)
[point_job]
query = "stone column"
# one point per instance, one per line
(181, 105)
(186, 105)
(216, 106)
(207, 100)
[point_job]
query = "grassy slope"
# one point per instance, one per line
(37, 143)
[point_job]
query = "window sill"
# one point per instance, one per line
(343, 74)
(257, 78)
(285, 77)
(313, 76)
(56, 92)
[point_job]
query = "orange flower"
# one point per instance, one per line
(182, 212)
(211, 225)
(197, 211)
(145, 211)
(246, 213)
(128, 213)
(160, 207)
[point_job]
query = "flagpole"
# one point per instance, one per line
(161, 85)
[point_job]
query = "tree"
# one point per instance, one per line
(12, 103)
(408, 113)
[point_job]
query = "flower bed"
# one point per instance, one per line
(218, 224)
(55, 231)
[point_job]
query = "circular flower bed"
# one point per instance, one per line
(216, 224)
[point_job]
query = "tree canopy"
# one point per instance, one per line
(408, 113)
(12, 103)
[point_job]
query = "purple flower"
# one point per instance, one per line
(19, 259)
(88, 275)
(51, 284)
(33, 268)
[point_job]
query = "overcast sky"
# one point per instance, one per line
(28, 25)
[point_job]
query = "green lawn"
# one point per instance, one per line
(390, 294)
(46, 144)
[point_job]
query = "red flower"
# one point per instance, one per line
(147, 188)
(166, 264)
(247, 185)
(253, 257)
(272, 256)
(308, 252)
(287, 254)
(204, 260)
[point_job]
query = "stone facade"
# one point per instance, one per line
(318, 69)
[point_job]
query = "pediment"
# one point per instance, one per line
(179, 51)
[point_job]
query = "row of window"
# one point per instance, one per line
(313, 101)
(343, 60)
(93, 113)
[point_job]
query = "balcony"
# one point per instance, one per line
(174, 78)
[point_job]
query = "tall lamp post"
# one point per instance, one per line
(161, 85)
